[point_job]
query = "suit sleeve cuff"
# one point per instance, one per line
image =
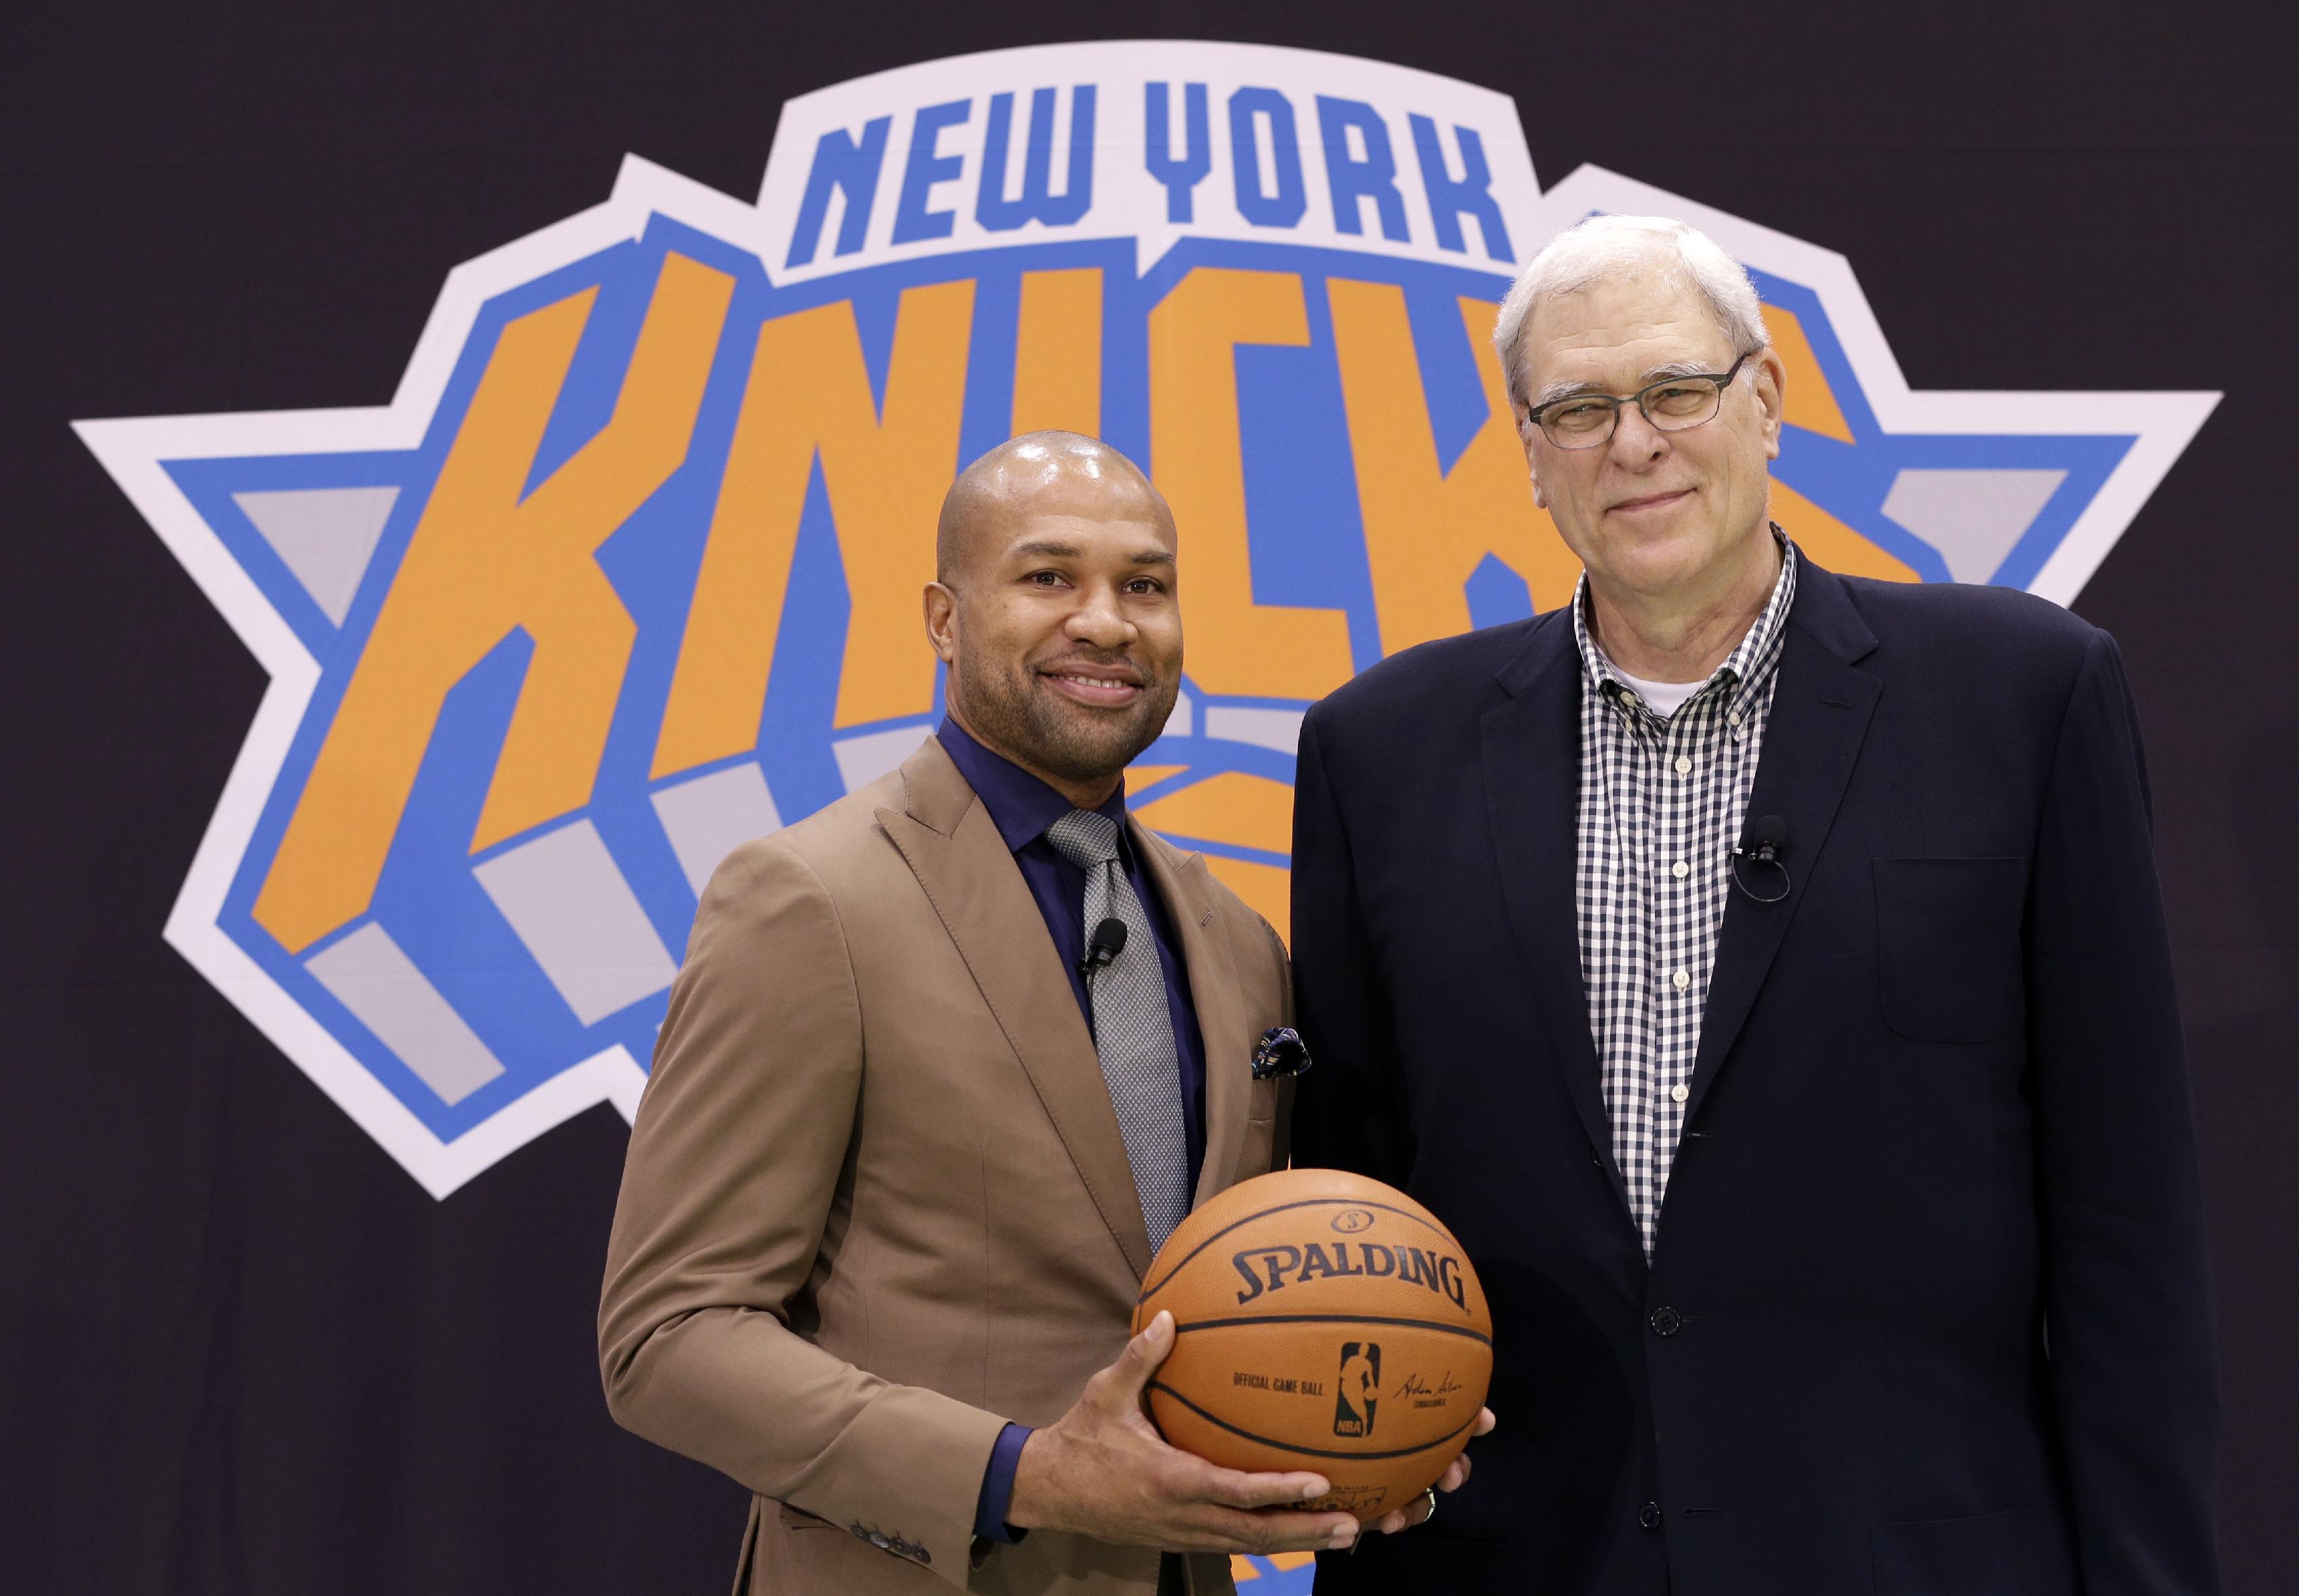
(997, 1488)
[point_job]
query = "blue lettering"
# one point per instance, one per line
(1037, 203)
(1470, 194)
(1354, 181)
(927, 166)
(1283, 208)
(1179, 176)
(851, 169)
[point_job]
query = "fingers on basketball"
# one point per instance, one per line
(1122, 1383)
(1233, 1488)
(1261, 1534)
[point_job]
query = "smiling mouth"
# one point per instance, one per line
(1653, 500)
(1095, 691)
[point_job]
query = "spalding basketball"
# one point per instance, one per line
(1323, 1322)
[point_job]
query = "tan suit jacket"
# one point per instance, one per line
(876, 1203)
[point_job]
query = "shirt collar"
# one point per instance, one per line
(1745, 668)
(1020, 805)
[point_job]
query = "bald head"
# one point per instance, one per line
(1056, 606)
(1038, 473)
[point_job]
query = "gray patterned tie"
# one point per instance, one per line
(1132, 1026)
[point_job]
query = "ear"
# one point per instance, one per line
(942, 622)
(1771, 382)
(1531, 464)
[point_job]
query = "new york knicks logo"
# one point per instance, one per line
(629, 570)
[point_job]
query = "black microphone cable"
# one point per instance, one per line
(1763, 846)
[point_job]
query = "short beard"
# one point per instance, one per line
(1010, 713)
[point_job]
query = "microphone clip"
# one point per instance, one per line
(1763, 847)
(1102, 947)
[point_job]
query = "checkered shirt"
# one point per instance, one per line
(1662, 802)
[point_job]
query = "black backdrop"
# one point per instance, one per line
(240, 1350)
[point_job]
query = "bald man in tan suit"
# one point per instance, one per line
(881, 1225)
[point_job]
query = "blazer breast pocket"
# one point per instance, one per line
(1947, 946)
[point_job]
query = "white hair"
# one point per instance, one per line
(1610, 249)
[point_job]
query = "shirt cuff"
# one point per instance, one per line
(997, 1488)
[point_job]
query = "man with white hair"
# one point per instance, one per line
(1764, 973)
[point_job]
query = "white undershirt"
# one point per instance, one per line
(1664, 699)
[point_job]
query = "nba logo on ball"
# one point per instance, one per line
(1360, 1388)
(1365, 1360)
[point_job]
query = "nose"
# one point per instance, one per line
(1098, 618)
(1636, 442)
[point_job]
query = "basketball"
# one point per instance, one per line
(1324, 1322)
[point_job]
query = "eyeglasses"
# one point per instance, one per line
(1672, 404)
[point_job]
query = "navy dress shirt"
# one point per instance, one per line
(1022, 806)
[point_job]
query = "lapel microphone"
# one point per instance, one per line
(1106, 943)
(1763, 846)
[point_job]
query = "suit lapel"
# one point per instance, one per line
(1532, 789)
(1820, 709)
(969, 876)
(1182, 882)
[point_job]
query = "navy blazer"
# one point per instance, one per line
(1927, 1308)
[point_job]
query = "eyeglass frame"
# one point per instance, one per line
(1723, 380)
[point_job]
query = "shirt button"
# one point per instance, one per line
(1678, 1093)
(1680, 869)
(1683, 765)
(1683, 978)
(1733, 718)
(1649, 1515)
